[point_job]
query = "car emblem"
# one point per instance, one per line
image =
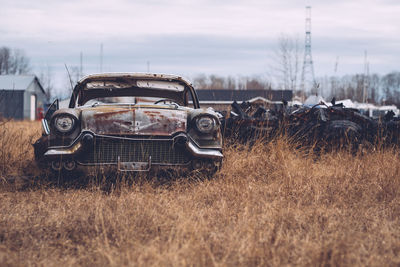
(135, 127)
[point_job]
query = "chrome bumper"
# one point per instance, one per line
(203, 153)
(77, 147)
(64, 151)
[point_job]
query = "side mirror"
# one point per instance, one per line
(53, 108)
(50, 111)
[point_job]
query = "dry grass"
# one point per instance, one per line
(16, 151)
(270, 205)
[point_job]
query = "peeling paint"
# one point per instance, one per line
(134, 121)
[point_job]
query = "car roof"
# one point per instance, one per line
(134, 75)
(126, 76)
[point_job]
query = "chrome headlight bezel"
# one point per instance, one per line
(64, 123)
(205, 124)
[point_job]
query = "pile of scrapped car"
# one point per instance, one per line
(320, 126)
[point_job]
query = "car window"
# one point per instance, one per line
(127, 100)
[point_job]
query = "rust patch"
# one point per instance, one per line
(152, 112)
(135, 121)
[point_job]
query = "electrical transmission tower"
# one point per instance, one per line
(307, 74)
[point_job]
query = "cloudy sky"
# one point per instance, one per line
(190, 37)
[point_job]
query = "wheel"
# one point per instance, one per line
(339, 134)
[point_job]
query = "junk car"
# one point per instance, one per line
(131, 122)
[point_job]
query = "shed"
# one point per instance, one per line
(21, 97)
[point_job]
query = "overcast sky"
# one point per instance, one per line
(190, 37)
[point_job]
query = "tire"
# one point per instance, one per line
(342, 134)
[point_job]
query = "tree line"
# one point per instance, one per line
(375, 88)
(283, 74)
(15, 62)
(218, 82)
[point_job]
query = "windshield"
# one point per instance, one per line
(131, 100)
(133, 89)
(132, 95)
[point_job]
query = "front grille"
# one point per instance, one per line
(107, 150)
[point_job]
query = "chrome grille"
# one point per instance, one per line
(107, 150)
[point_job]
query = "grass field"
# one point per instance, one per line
(269, 205)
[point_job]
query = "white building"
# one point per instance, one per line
(21, 97)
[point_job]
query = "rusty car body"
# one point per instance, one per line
(131, 122)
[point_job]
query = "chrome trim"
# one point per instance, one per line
(64, 151)
(77, 145)
(126, 138)
(77, 140)
(74, 122)
(203, 153)
(212, 117)
(208, 147)
(45, 127)
(84, 131)
(116, 164)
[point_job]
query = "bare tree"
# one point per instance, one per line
(200, 82)
(13, 61)
(214, 82)
(287, 58)
(374, 82)
(255, 83)
(230, 82)
(217, 82)
(46, 80)
(72, 77)
(391, 86)
(5, 60)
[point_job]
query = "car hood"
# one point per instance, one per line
(155, 120)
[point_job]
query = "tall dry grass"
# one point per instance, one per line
(269, 205)
(16, 151)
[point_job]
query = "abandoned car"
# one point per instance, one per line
(131, 122)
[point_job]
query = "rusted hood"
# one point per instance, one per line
(134, 120)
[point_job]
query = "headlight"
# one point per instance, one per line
(64, 123)
(205, 124)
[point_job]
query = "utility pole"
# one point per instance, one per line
(148, 66)
(335, 69)
(365, 78)
(80, 65)
(336, 65)
(101, 57)
(307, 74)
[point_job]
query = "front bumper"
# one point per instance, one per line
(81, 146)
